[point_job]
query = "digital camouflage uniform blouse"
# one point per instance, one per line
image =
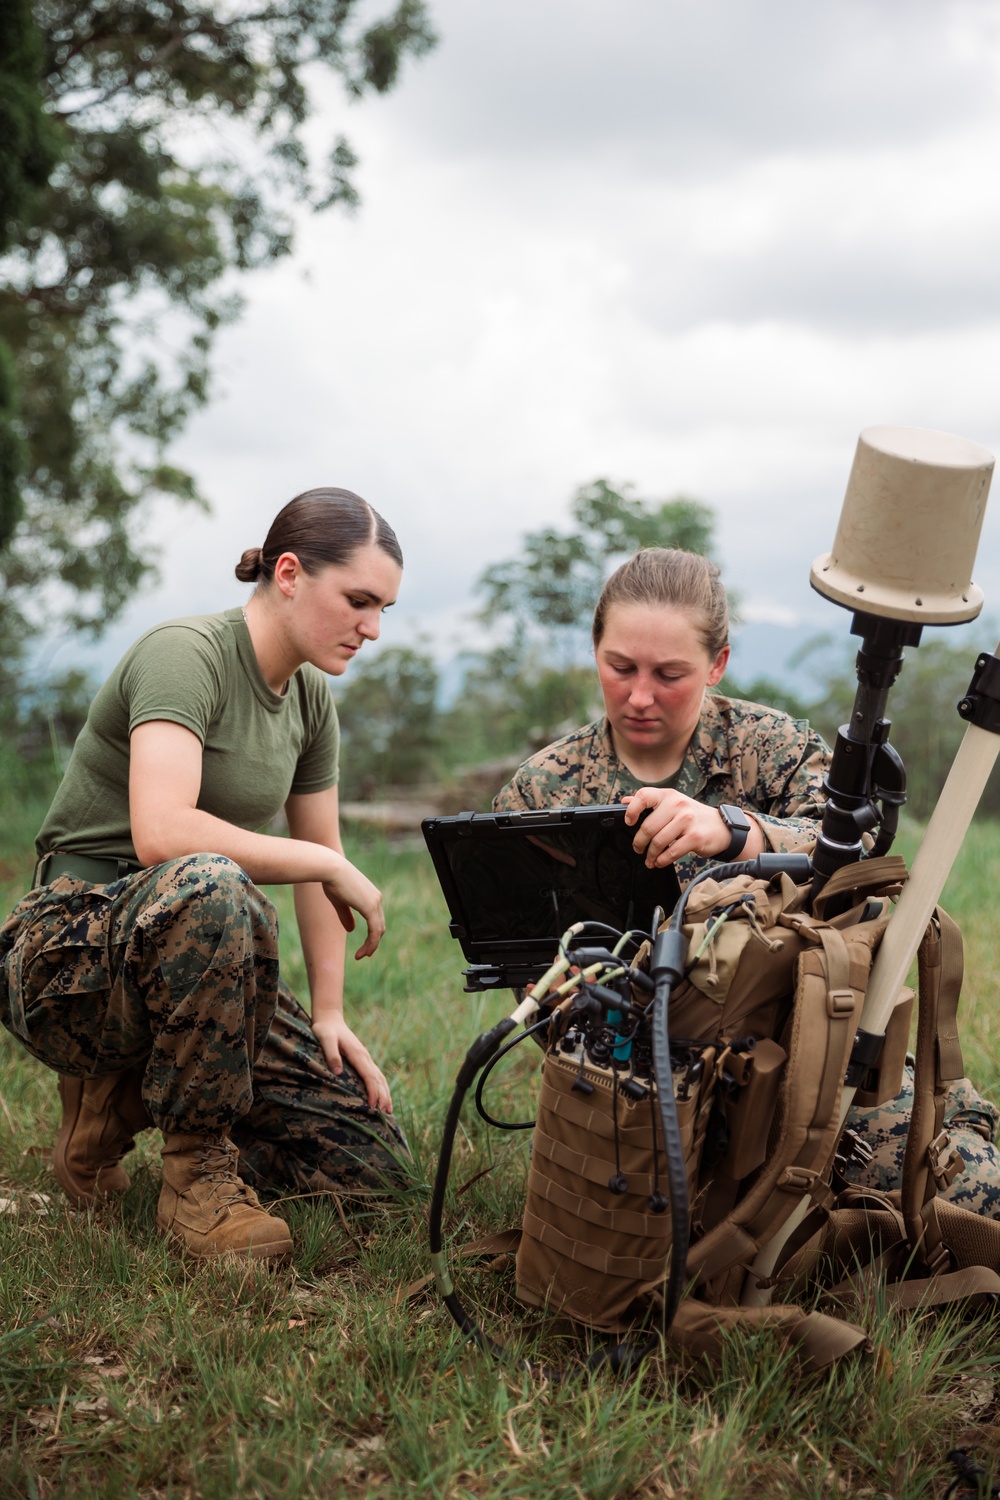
(758, 758)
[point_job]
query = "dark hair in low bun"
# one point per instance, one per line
(321, 527)
(249, 566)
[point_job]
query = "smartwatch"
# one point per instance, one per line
(738, 824)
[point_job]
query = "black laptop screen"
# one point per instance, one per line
(515, 881)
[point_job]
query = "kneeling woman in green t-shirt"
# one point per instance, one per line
(143, 965)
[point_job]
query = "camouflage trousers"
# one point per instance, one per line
(174, 971)
(971, 1123)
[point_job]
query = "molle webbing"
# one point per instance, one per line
(591, 1251)
(587, 1250)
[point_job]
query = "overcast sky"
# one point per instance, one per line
(697, 245)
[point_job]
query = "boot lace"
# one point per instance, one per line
(216, 1163)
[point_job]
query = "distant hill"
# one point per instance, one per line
(767, 650)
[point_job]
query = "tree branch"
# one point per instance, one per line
(168, 50)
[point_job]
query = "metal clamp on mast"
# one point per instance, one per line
(981, 704)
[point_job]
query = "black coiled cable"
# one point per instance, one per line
(508, 1047)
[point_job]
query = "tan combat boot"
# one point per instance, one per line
(99, 1120)
(207, 1206)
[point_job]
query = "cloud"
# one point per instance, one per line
(678, 85)
(698, 246)
(767, 612)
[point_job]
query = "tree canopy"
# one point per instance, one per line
(29, 148)
(553, 583)
(152, 147)
(389, 722)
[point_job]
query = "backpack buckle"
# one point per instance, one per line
(939, 1261)
(852, 1149)
(944, 1161)
(839, 1003)
(798, 1180)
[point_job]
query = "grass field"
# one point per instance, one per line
(127, 1372)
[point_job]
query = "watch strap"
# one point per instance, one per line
(738, 824)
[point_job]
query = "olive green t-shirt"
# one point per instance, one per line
(201, 672)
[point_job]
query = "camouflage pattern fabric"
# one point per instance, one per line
(175, 970)
(971, 1122)
(309, 1130)
(175, 967)
(758, 758)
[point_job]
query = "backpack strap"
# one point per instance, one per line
(929, 1162)
(818, 1340)
(832, 977)
(865, 878)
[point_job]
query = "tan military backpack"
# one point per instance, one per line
(763, 1037)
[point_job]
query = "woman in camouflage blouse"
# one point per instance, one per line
(661, 642)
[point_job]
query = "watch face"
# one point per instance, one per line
(735, 818)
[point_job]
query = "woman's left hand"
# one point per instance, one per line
(678, 825)
(340, 1045)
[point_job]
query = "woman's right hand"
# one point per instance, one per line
(674, 825)
(677, 825)
(349, 891)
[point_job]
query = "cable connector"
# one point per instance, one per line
(669, 956)
(482, 1050)
(798, 867)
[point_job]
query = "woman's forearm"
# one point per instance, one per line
(756, 840)
(324, 944)
(266, 858)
